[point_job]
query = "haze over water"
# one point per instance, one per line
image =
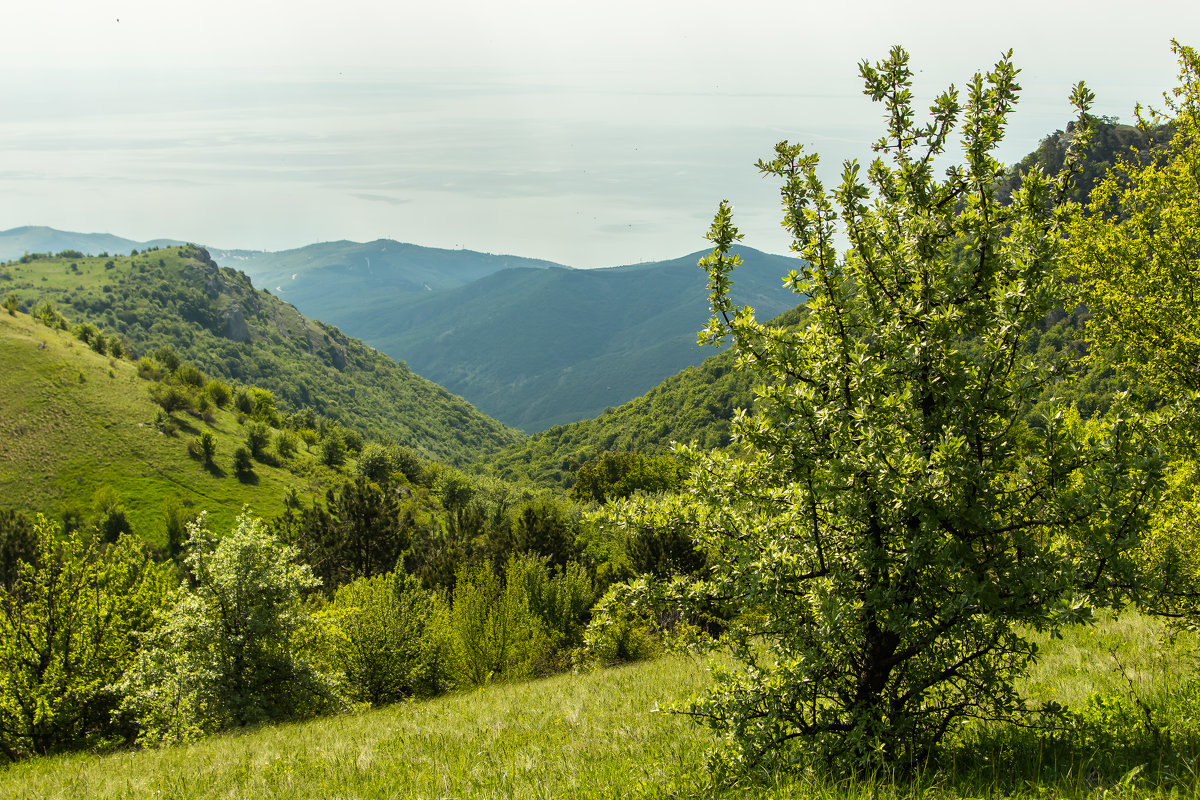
(591, 136)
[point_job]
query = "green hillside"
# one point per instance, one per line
(73, 422)
(694, 405)
(213, 317)
(537, 348)
(531, 343)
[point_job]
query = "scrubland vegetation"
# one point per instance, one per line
(951, 550)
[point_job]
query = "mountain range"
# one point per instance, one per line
(531, 343)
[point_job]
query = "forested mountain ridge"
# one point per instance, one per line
(542, 347)
(694, 405)
(530, 342)
(337, 281)
(215, 318)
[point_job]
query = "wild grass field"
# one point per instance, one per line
(73, 421)
(606, 734)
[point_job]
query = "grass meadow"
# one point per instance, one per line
(602, 734)
(73, 421)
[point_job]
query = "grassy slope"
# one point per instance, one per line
(597, 735)
(216, 319)
(72, 421)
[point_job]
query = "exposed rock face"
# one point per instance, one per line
(233, 324)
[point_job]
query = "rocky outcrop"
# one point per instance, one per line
(233, 324)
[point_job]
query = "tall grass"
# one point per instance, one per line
(592, 735)
(598, 735)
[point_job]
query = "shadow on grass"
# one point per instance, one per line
(1119, 758)
(214, 470)
(249, 477)
(1125, 756)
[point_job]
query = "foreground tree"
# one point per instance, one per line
(889, 523)
(1136, 257)
(1137, 252)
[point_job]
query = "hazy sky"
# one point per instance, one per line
(592, 134)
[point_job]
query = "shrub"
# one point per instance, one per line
(494, 633)
(148, 369)
(85, 332)
(46, 313)
(286, 444)
(243, 464)
(333, 449)
(189, 375)
(623, 627)
(168, 358)
(219, 392)
(375, 463)
(230, 652)
(208, 447)
(390, 639)
(172, 398)
(69, 625)
(18, 543)
(258, 436)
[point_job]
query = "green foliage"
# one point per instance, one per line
(260, 404)
(378, 462)
(18, 544)
(219, 391)
(546, 527)
(887, 529)
(46, 313)
(190, 376)
(176, 519)
(67, 439)
(213, 318)
(258, 437)
(359, 532)
(69, 620)
(208, 447)
(495, 634)
(286, 444)
(12, 303)
(168, 358)
(333, 449)
(85, 332)
(697, 405)
(623, 627)
(243, 462)
(231, 650)
(1138, 257)
(542, 347)
(617, 475)
(171, 397)
(109, 514)
(389, 639)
